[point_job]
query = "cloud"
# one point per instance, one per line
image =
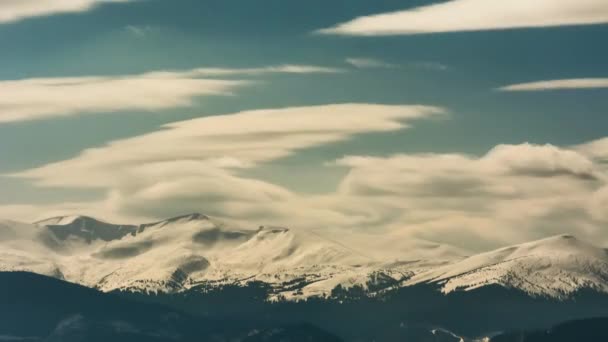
(513, 193)
(195, 188)
(372, 63)
(35, 212)
(597, 149)
(449, 175)
(369, 63)
(140, 31)
(476, 15)
(230, 141)
(581, 83)
(43, 98)
(279, 69)
(15, 10)
(436, 66)
(546, 160)
(195, 165)
(598, 206)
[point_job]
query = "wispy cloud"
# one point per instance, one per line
(476, 15)
(195, 164)
(374, 63)
(140, 31)
(285, 69)
(580, 83)
(231, 141)
(435, 66)
(369, 63)
(597, 149)
(42, 98)
(15, 10)
(511, 194)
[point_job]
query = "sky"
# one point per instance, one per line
(476, 123)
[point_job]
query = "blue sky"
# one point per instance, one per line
(456, 68)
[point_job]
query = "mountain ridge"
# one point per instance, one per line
(556, 266)
(189, 250)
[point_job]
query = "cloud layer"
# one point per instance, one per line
(511, 194)
(14, 10)
(194, 165)
(42, 98)
(366, 63)
(579, 83)
(232, 141)
(476, 15)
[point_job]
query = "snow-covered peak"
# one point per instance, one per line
(190, 219)
(86, 228)
(266, 231)
(61, 220)
(555, 267)
(560, 245)
(193, 249)
(184, 218)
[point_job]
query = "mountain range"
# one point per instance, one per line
(176, 254)
(275, 276)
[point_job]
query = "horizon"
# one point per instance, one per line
(258, 226)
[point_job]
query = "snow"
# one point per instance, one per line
(554, 267)
(192, 250)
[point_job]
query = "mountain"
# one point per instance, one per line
(38, 308)
(86, 228)
(360, 287)
(555, 267)
(194, 250)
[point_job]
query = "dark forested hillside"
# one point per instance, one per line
(38, 308)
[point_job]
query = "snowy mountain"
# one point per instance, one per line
(86, 228)
(554, 267)
(196, 251)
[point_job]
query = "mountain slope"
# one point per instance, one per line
(200, 265)
(86, 228)
(554, 267)
(38, 308)
(197, 251)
